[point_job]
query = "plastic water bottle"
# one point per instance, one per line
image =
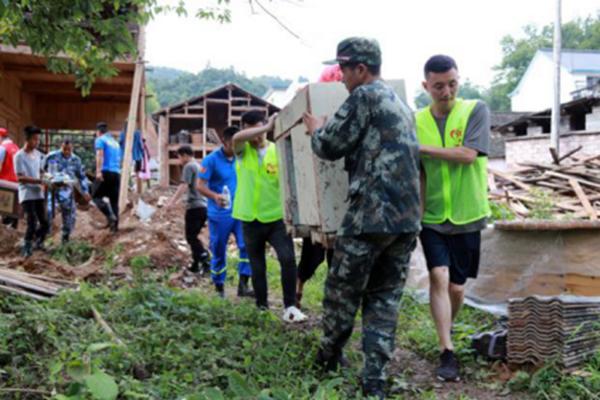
(53, 168)
(227, 195)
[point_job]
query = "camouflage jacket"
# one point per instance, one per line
(375, 133)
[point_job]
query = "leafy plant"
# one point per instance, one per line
(501, 212)
(73, 253)
(541, 207)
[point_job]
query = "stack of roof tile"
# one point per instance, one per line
(564, 329)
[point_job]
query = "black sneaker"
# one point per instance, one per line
(205, 264)
(113, 225)
(220, 290)
(27, 250)
(194, 268)
(373, 389)
(448, 371)
(243, 287)
(65, 239)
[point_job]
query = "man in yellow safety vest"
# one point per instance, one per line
(453, 136)
(258, 205)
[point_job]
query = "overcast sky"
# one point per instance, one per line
(408, 32)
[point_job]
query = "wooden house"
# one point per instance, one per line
(30, 94)
(199, 122)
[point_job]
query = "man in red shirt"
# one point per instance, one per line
(8, 149)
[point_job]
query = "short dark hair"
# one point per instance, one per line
(229, 132)
(253, 117)
(373, 69)
(66, 141)
(185, 150)
(31, 130)
(439, 64)
(102, 127)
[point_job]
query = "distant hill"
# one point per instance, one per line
(172, 85)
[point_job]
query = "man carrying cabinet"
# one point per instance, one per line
(454, 139)
(374, 132)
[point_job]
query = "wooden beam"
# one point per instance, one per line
(187, 116)
(578, 179)
(131, 120)
(216, 101)
(46, 76)
(509, 178)
(163, 149)
(584, 199)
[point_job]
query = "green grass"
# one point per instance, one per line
(192, 345)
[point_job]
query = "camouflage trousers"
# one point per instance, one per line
(63, 200)
(368, 270)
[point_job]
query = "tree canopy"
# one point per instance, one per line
(85, 37)
(517, 53)
(467, 90)
(172, 85)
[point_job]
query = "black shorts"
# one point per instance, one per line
(138, 166)
(460, 253)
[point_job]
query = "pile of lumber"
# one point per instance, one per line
(572, 188)
(562, 329)
(37, 287)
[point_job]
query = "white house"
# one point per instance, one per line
(281, 96)
(579, 69)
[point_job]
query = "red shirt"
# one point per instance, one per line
(7, 169)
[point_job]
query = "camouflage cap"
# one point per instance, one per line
(357, 50)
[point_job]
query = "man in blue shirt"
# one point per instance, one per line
(69, 165)
(217, 177)
(108, 175)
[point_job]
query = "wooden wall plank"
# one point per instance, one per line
(163, 149)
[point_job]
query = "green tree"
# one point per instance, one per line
(173, 86)
(467, 90)
(152, 104)
(84, 38)
(519, 51)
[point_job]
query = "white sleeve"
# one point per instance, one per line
(2, 155)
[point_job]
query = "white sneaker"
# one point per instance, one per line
(293, 314)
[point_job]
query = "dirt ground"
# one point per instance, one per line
(161, 239)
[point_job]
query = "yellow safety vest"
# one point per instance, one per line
(257, 194)
(454, 192)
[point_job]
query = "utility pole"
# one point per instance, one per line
(555, 121)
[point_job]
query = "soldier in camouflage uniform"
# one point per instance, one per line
(374, 132)
(69, 164)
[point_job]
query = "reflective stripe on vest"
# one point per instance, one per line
(7, 172)
(454, 192)
(257, 194)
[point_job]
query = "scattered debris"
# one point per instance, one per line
(34, 286)
(570, 191)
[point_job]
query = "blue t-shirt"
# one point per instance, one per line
(112, 153)
(218, 171)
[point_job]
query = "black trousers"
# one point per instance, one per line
(108, 187)
(313, 255)
(195, 219)
(256, 236)
(37, 223)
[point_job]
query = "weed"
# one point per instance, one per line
(501, 212)
(73, 253)
(541, 207)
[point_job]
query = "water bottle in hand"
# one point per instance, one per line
(53, 168)
(227, 195)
